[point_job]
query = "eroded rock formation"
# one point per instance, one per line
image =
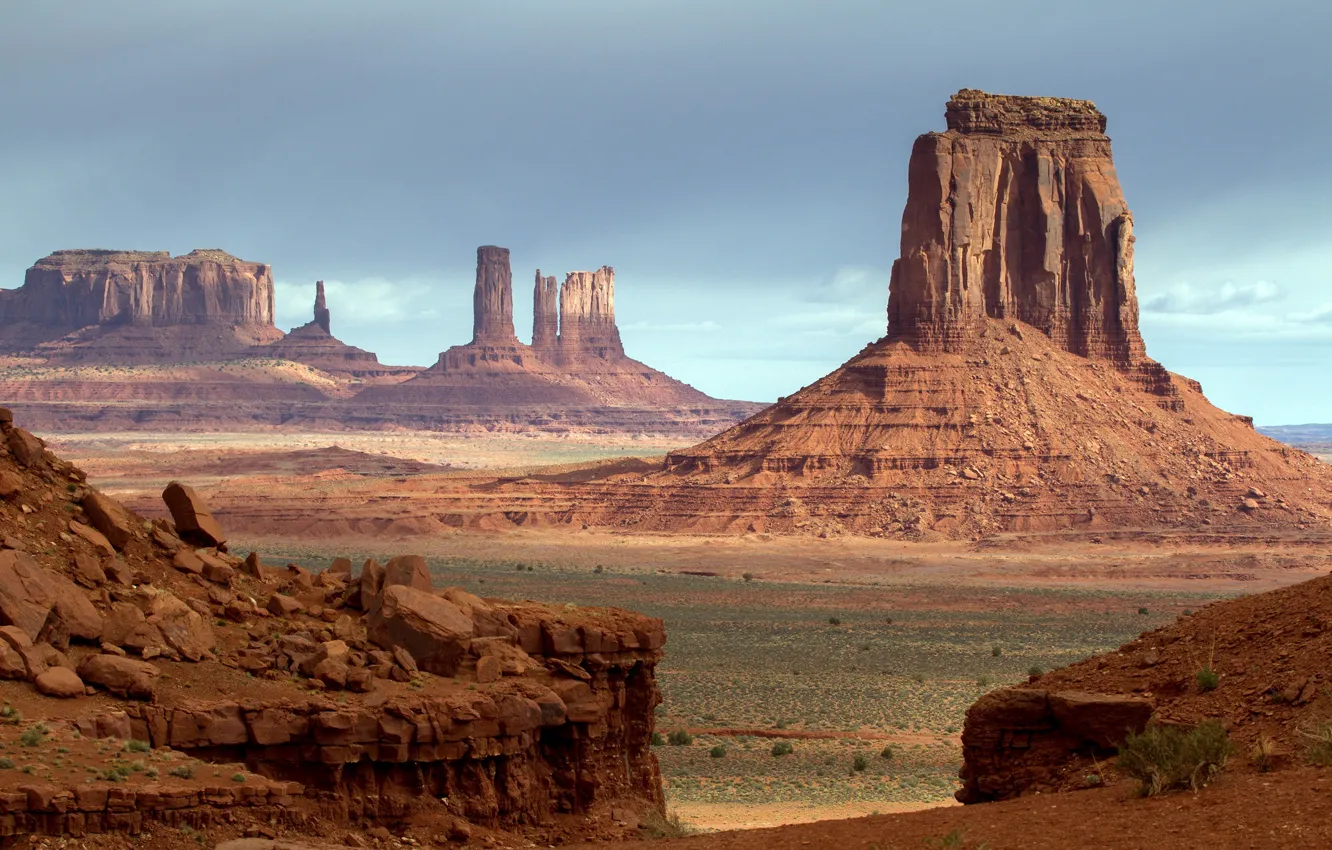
(545, 316)
(321, 314)
(492, 300)
(587, 316)
(75, 289)
(1015, 212)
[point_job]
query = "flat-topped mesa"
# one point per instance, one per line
(545, 315)
(1016, 213)
(321, 314)
(492, 300)
(587, 316)
(75, 289)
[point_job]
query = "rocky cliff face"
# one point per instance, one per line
(1016, 213)
(587, 316)
(75, 289)
(492, 300)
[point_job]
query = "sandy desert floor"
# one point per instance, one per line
(861, 654)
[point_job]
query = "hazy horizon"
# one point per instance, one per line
(742, 166)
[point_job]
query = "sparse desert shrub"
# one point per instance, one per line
(1319, 737)
(6, 764)
(657, 739)
(996, 651)
(782, 748)
(718, 752)
(859, 763)
(955, 840)
(983, 682)
(1208, 679)
(134, 745)
(1166, 758)
(1142, 610)
(656, 825)
(599, 569)
(1034, 670)
(886, 754)
(32, 736)
(679, 738)
(1263, 753)
(185, 771)
(748, 576)
(834, 621)
(237, 777)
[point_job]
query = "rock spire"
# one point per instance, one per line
(545, 315)
(1015, 212)
(492, 300)
(587, 315)
(321, 314)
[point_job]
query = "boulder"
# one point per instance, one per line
(26, 596)
(93, 536)
(282, 606)
(435, 631)
(11, 486)
(123, 677)
(371, 582)
(127, 627)
(12, 665)
(187, 561)
(341, 567)
(60, 682)
(79, 617)
(109, 517)
(181, 626)
(194, 522)
(487, 669)
(27, 449)
(88, 570)
(408, 570)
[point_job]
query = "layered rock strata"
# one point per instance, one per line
(74, 290)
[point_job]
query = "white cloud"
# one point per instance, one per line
(1185, 298)
(706, 326)
(366, 302)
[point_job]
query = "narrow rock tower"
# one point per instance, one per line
(321, 314)
(545, 315)
(492, 300)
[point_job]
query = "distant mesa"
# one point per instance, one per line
(144, 305)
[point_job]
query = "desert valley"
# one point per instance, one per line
(999, 580)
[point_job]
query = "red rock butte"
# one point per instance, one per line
(1012, 390)
(574, 371)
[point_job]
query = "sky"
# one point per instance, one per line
(741, 163)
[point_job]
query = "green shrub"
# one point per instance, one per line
(996, 651)
(185, 771)
(860, 763)
(31, 737)
(1208, 679)
(679, 738)
(1033, 670)
(782, 748)
(136, 746)
(886, 753)
(237, 777)
(6, 764)
(748, 576)
(983, 682)
(657, 739)
(717, 752)
(834, 621)
(1142, 610)
(1166, 758)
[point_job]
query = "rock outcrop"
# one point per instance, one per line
(574, 373)
(1012, 391)
(1016, 213)
(87, 290)
(314, 345)
(376, 700)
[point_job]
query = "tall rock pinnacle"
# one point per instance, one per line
(321, 314)
(587, 315)
(1016, 212)
(545, 314)
(492, 300)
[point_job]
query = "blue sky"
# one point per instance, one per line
(742, 164)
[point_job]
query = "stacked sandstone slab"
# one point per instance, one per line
(1011, 393)
(356, 695)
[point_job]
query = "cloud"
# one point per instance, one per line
(706, 326)
(363, 303)
(1198, 301)
(850, 283)
(1318, 316)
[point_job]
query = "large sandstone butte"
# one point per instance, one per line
(142, 305)
(575, 372)
(1012, 391)
(322, 699)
